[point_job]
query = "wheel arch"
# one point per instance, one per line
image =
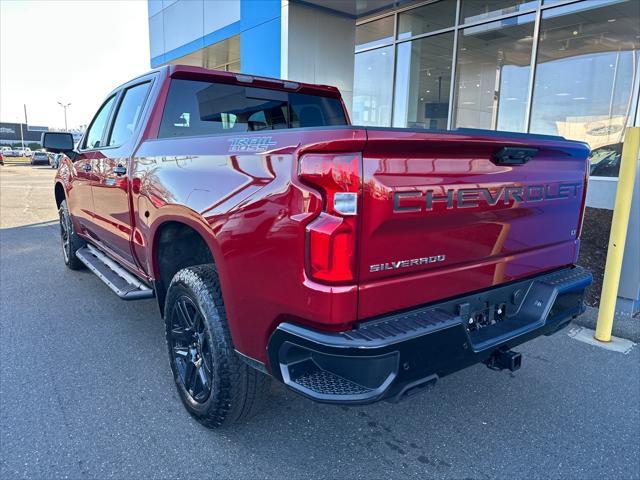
(178, 243)
(59, 193)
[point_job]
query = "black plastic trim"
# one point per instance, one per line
(392, 356)
(118, 285)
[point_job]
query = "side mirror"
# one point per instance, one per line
(57, 142)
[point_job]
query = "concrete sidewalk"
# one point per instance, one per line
(624, 326)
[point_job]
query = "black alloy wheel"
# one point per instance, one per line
(190, 349)
(69, 240)
(64, 236)
(215, 385)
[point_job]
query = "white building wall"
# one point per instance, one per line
(317, 46)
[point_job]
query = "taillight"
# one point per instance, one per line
(331, 238)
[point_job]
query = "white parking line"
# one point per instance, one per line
(585, 335)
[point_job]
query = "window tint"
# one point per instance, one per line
(94, 135)
(428, 18)
(128, 114)
(584, 90)
(372, 87)
(492, 75)
(205, 108)
(423, 80)
(372, 34)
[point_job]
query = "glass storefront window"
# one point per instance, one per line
(588, 63)
(234, 67)
(423, 82)
(428, 18)
(478, 10)
(372, 87)
(372, 34)
(586, 70)
(223, 53)
(492, 76)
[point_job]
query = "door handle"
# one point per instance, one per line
(120, 170)
(87, 167)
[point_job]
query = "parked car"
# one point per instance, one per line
(39, 157)
(54, 160)
(27, 152)
(10, 152)
(1, 158)
(353, 264)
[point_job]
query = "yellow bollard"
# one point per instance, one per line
(618, 236)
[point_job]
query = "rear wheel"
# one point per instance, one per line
(69, 240)
(214, 384)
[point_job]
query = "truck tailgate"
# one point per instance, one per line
(449, 213)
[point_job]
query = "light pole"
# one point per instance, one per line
(65, 106)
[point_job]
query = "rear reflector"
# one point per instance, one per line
(345, 203)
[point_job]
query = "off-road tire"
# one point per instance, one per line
(237, 391)
(73, 242)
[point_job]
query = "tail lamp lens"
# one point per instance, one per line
(331, 238)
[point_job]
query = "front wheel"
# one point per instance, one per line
(70, 241)
(214, 384)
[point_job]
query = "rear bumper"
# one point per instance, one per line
(392, 356)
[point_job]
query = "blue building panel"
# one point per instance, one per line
(260, 49)
(256, 12)
(258, 26)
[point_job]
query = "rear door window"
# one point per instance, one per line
(205, 108)
(128, 115)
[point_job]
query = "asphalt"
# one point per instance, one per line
(86, 392)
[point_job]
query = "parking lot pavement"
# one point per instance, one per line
(86, 392)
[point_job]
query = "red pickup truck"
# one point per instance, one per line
(353, 264)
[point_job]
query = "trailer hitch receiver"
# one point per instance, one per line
(503, 359)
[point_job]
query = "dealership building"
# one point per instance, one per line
(559, 67)
(17, 133)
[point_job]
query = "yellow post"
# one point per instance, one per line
(618, 236)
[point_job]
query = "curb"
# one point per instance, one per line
(624, 326)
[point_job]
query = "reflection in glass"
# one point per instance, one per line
(220, 55)
(492, 75)
(588, 62)
(423, 80)
(428, 18)
(373, 78)
(378, 32)
(479, 10)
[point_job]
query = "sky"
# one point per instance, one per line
(69, 51)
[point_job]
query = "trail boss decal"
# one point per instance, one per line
(251, 144)
(414, 262)
(424, 200)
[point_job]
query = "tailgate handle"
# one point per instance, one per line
(514, 155)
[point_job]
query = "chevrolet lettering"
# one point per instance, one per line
(453, 198)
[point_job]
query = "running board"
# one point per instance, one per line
(123, 283)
